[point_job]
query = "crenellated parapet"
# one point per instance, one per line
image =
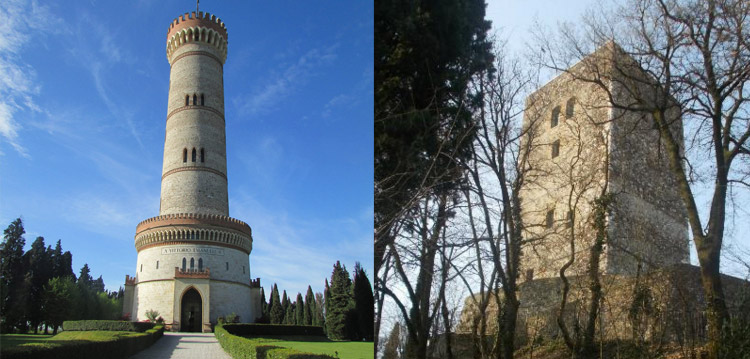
(201, 27)
(255, 283)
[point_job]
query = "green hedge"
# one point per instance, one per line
(250, 329)
(245, 348)
(117, 348)
(116, 325)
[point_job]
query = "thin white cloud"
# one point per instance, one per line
(295, 253)
(21, 21)
(282, 83)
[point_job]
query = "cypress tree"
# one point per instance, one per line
(299, 310)
(318, 318)
(363, 304)
(284, 306)
(307, 317)
(276, 312)
(289, 314)
(38, 265)
(263, 304)
(339, 304)
(11, 275)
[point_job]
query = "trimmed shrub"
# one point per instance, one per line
(115, 325)
(254, 329)
(239, 347)
(118, 347)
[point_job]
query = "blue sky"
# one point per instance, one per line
(83, 99)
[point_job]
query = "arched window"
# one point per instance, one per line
(555, 117)
(203, 156)
(192, 263)
(184, 155)
(183, 263)
(187, 100)
(193, 154)
(195, 99)
(203, 100)
(200, 264)
(570, 107)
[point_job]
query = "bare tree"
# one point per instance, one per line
(696, 55)
(493, 208)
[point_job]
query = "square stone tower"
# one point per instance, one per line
(580, 147)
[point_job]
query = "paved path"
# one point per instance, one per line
(184, 346)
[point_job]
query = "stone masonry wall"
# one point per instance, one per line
(195, 186)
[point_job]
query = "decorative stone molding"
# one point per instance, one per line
(195, 168)
(198, 53)
(192, 273)
(193, 218)
(196, 107)
(194, 228)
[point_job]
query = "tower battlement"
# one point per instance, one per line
(200, 27)
(201, 19)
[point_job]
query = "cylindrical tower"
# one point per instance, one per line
(193, 259)
(194, 175)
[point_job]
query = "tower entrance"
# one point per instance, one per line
(191, 317)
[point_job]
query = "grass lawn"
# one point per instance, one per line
(95, 335)
(11, 340)
(314, 344)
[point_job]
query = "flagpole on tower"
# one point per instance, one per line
(197, 3)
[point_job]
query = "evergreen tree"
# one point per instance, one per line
(60, 293)
(363, 304)
(299, 310)
(12, 275)
(289, 314)
(98, 285)
(393, 347)
(86, 305)
(38, 263)
(307, 317)
(318, 317)
(263, 304)
(276, 312)
(67, 266)
(339, 304)
(85, 279)
(56, 257)
(284, 306)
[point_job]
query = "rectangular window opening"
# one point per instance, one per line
(550, 218)
(555, 148)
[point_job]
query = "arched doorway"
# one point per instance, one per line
(191, 313)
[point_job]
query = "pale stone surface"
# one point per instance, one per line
(184, 346)
(215, 250)
(599, 146)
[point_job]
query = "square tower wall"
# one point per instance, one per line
(590, 148)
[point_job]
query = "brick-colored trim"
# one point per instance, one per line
(194, 168)
(191, 53)
(196, 107)
(202, 19)
(193, 218)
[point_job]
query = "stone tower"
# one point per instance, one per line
(581, 146)
(193, 259)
